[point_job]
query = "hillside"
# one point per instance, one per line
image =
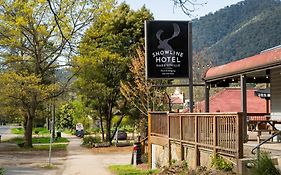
(239, 31)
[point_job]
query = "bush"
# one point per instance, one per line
(264, 166)
(144, 158)
(90, 140)
(2, 171)
(220, 163)
(96, 130)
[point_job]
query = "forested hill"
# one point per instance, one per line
(239, 31)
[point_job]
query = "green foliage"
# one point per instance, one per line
(220, 163)
(173, 161)
(264, 166)
(90, 140)
(2, 171)
(34, 36)
(130, 170)
(239, 31)
(65, 117)
(72, 113)
(105, 53)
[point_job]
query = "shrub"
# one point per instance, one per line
(144, 158)
(2, 171)
(264, 166)
(90, 140)
(220, 163)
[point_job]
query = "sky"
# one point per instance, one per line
(165, 10)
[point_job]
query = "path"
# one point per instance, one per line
(78, 161)
(81, 161)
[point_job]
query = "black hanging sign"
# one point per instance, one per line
(166, 45)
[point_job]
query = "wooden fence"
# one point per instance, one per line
(221, 133)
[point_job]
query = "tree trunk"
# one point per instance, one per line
(101, 126)
(28, 132)
(29, 123)
(108, 131)
(117, 125)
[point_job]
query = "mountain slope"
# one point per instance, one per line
(239, 31)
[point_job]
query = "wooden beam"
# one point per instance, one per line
(162, 141)
(207, 97)
(190, 67)
(244, 105)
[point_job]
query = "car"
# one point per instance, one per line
(122, 135)
(79, 130)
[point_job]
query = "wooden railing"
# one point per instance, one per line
(218, 132)
(159, 123)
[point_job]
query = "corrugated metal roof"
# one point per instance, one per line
(264, 60)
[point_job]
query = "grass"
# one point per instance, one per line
(130, 170)
(47, 140)
(40, 130)
(68, 131)
(46, 147)
(36, 140)
(44, 141)
(17, 131)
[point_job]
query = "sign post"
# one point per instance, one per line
(168, 52)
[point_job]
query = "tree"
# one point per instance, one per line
(65, 117)
(72, 113)
(188, 6)
(141, 94)
(35, 36)
(105, 55)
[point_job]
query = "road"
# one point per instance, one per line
(5, 132)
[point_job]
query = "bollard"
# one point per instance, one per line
(135, 155)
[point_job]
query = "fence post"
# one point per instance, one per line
(197, 158)
(215, 134)
(181, 138)
(240, 139)
(169, 135)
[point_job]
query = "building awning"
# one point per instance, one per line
(265, 60)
